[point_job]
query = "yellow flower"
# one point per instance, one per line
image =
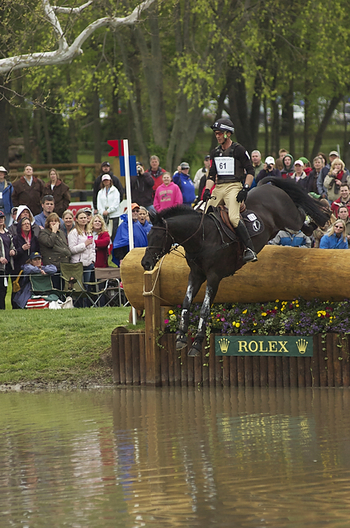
(255, 324)
(238, 325)
(244, 311)
(264, 314)
(277, 300)
(170, 312)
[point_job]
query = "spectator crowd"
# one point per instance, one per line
(38, 229)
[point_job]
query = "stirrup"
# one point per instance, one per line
(249, 255)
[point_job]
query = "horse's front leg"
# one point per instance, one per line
(194, 283)
(209, 297)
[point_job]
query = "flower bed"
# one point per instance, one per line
(298, 317)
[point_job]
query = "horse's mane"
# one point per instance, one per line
(171, 212)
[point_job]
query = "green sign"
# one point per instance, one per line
(282, 346)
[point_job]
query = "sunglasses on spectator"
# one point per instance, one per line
(339, 227)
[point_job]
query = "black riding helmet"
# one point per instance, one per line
(223, 125)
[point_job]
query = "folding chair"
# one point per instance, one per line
(72, 276)
(113, 289)
(41, 287)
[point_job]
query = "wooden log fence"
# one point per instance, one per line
(329, 366)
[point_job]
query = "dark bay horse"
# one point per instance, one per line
(211, 255)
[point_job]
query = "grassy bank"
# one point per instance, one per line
(57, 346)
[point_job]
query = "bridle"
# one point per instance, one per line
(162, 249)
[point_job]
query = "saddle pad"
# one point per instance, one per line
(253, 223)
(37, 304)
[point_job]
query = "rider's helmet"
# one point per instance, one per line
(223, 125)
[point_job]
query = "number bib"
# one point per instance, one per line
(225, 166)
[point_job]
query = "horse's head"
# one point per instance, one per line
(159, 243)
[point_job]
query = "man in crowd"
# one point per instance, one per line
(28, 190)
(156, 172)
(268, 170)
(232, 170)
(183, 179)
(106, 169)
(257, 162)
(142, 188)
(202, 172)
(48, 207)
(343, 200)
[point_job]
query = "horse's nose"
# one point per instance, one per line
(146, 264)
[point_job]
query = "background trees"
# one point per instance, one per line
(160, 80)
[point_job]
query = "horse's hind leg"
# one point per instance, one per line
(194, 283)
(210, 293)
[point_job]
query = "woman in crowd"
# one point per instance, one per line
(321, 231)
(335, 178)
(102, 241)
(53, 246)
(7, 252)
(108, 200)
(318, 164)
(299, 176)
(81, 245)
(143, 219)
(59, 190)
(336, 237)
(26, 242)
(68, 220)
(168, 194)
(121, 241)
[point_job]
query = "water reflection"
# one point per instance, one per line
(175, 457)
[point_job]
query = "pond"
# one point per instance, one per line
(175, 457)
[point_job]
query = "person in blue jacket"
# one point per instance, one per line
(287, 237)
(6, 190)
(183, 179)
(121, 241)
(336, 237)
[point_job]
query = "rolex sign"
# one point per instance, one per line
(282, 346)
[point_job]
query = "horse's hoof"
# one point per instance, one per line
(193, 352)
(181, 342)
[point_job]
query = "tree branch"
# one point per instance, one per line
(66, 53)
(71, 10)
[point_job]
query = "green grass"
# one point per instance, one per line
(58, 345)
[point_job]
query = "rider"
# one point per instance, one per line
(232, 170)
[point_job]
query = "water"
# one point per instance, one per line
(175, 457)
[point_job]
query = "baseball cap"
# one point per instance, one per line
(334, 153)
(135, 206)
(106, 177)
(105, 164)
(2, 169)
(184, 165)
(2, 214)
(35, 255)
(299, 162)
(87, 210)
(270, 160)
(207, 157)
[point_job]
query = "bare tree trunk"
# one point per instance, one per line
(96, 127)
(255, 111)
(47, 136)
(324, 123)
(266, 125)
(4, 136)
(220, 108)
(26, 136)
(238, 106)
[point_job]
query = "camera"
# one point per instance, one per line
(269, 167)
(139, 168)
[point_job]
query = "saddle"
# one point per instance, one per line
(253, 223)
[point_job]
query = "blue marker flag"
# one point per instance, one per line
(132, 165)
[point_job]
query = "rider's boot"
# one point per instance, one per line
(249, 254)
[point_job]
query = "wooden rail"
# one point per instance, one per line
(75, 175)
(329, 366)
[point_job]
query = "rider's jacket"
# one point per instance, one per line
(230, 165)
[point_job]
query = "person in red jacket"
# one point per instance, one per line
(102, 241)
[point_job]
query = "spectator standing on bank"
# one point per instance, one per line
(268, 170)
(121, 241)
(48, 206)
(288, 166)
(336, 237)
(156, 172)
(68, 220)
(343, 200)
(108, 201)
(7, 253)
(28, 190)
(59, 190)
(204, 171)
(53, 245)
(322, 191)
(299, 175)
(143, 215)
(6, 190)
(82, 246)
(102, 241)
(183, 179)
(142, 188)
(106, 169)
(23, 212)
(318, 164)
(343, 214)
(257, 162)
(168, 194)
(336, 177)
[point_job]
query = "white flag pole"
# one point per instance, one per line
(128, 200)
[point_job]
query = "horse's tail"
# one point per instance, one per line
(319, 214)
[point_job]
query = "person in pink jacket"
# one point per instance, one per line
(168, 194)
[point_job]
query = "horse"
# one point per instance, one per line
(212, 255)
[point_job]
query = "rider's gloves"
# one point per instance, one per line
(206, 195)
(242, 195)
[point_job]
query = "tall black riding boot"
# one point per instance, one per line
(249, 254)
